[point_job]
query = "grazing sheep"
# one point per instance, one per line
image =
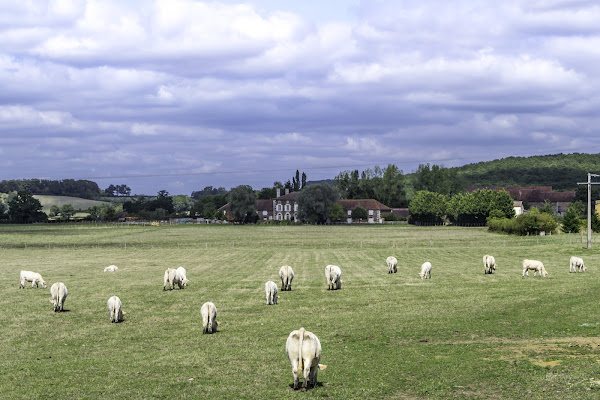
(271, 291)
(576, 265)
(169, 278)
(304, 352)
(286, 273)
(115, 309)
(392, 264)
(333, 275)
(58, 291)
(425, 270)
(181, 277)
(489, 264)
(209, 317)
(33, 277)
(111, 268)
(534, 265)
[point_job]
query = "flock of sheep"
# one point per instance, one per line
(302, 347)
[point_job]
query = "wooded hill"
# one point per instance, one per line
(561, 171)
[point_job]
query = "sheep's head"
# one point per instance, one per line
(44, 284)
(185, 282)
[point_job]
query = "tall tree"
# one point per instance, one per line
(315, 201)
(242, 203)
(571, 222)
(303, 180)
(67, 211)
(24, 208)
(428, 207)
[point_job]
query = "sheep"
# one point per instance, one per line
(169, 278)
(115, 309)
(111, 268)
(271, 291)
(286, 273)
(304, 352)
(58, 291)
(209, 317)
(425, 270)
(392, 264)
(489, 264)
(333, 275)
(534, 265)
(33, 277)
(576, 265)
(181, 277)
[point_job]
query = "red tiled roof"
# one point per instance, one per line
(367, 204)
(530, 193)
(290, 196)
(265, 205)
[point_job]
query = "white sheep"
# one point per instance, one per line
(425, 270)
(333, 276)
(111, 268)
(58, 291)
(576, 265)
(304, 352)
(115, 309)
(169, 278)
(208, 311)
(181, 277)
(489, 264)
(33, 277)
(534, 265)
(286, 274)
(392, 264)
(271, 291)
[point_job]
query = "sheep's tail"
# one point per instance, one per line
(300, 340)
(210, 322)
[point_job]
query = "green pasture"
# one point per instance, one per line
(460, 335)
(78, 203)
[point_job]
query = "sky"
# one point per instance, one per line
(177, 95)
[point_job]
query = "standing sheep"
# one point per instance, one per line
(576, 265)
(286, 273)
(33, 277)
(304, 352)
(181, 277)
(271, 291)
(489, 264)
(115, 309)
(333, 275)
(534, 265)
(209, 317)
(425, 270)
(58, 291)
(169, 278)
(392, 264)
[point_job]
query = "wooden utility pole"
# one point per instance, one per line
(589, 184)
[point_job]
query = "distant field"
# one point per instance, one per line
(77, 202)
(460, 335)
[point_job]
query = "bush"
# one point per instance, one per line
(524, 224)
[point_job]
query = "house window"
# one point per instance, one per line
(295, 207)
(349, 212)
(279, 207)
(279, 217)
(287, 216)
(371, 213)
(288, 207)
(264, 212)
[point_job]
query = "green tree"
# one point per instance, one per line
(24, 208)
(242, 203)
(54, 210)
(571, 222)
(182, 203)
(359, 213)
(391, 189)
(595, 222)
(428, 208)
(314, 202)
(547, 207)
(336, 212)
(67, 211)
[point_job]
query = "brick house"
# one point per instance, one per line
(373, 207)
(535, 196)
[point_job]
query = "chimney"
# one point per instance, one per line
(287, 190)
(278, 192)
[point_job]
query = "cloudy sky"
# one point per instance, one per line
(182, 94)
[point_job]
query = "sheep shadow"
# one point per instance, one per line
(319, 384)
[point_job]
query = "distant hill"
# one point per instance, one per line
(561, 171)
(77, 202)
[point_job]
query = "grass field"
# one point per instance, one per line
(460, 335)
(78, 203)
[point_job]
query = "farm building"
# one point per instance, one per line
(373, 207)
(535, 196)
